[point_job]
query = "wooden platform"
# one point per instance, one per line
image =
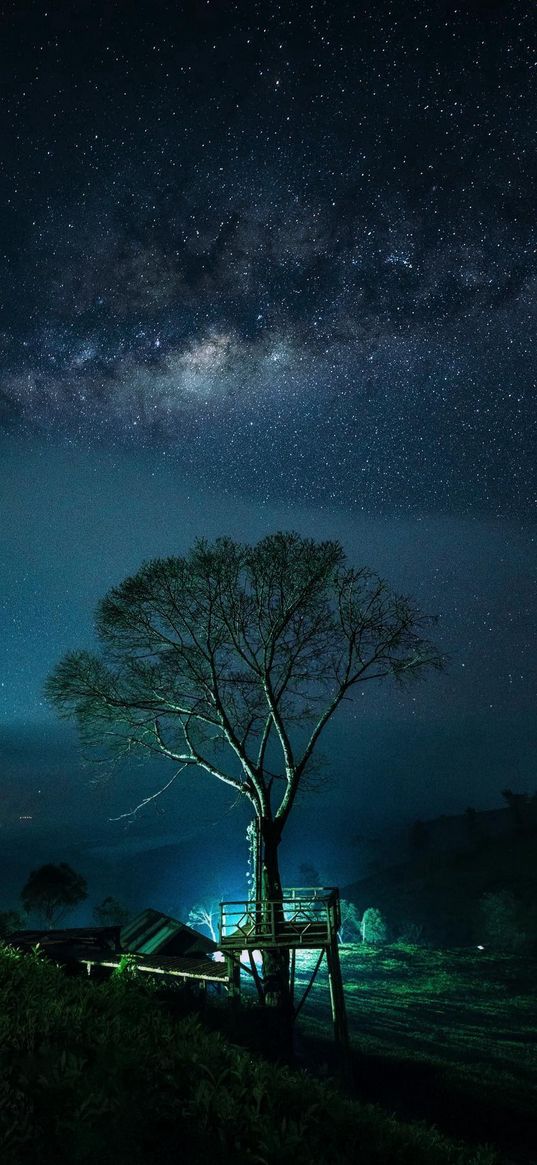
(303, 919)
(288, 935)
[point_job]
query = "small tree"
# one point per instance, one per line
(499, 923)
(373, 926)
(309, 874)
(233, 660)
(520, 807)
(411, 932)
(52, 891)
(350, 930)
(110, 912)
(206, 914)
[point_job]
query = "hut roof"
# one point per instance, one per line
(72, 942)
(151, 932)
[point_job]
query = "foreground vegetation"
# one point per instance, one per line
(101, 1072)
(448, 1036)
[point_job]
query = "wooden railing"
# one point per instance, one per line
(306, 916)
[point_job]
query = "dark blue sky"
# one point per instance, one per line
(268, 267)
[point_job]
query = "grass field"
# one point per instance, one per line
(447, 1036)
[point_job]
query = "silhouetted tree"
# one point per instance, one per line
(233, 660)
(52, 891)
(110, 912)
(309, 875)
(9, 920)
(411, 931)
(519, 804)
(499, 922)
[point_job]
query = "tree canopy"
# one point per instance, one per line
(234, 658)
(51, 891)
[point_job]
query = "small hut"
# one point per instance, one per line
(153, 933)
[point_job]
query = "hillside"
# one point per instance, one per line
(438, 895)
(95, 1073)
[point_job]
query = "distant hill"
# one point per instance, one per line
(436, 894)
(449, 832)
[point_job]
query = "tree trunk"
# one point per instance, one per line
(275, 959)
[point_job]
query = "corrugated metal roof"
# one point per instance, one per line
(72, 939)
(152, 932)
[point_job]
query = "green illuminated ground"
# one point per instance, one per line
(450, 1036)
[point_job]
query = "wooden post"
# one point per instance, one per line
(292, 977)
(317, 930)
(339, 1014)
(233, 967)
(337, 998)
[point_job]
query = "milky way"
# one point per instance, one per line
(294, 251)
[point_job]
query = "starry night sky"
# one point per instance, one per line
(268, 266)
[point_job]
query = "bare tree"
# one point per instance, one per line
(206, 914)
(234, 659)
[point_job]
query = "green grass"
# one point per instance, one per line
(101, 1072)
(446, 1035)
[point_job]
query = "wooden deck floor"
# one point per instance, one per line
(200, 970)
(286, 934)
